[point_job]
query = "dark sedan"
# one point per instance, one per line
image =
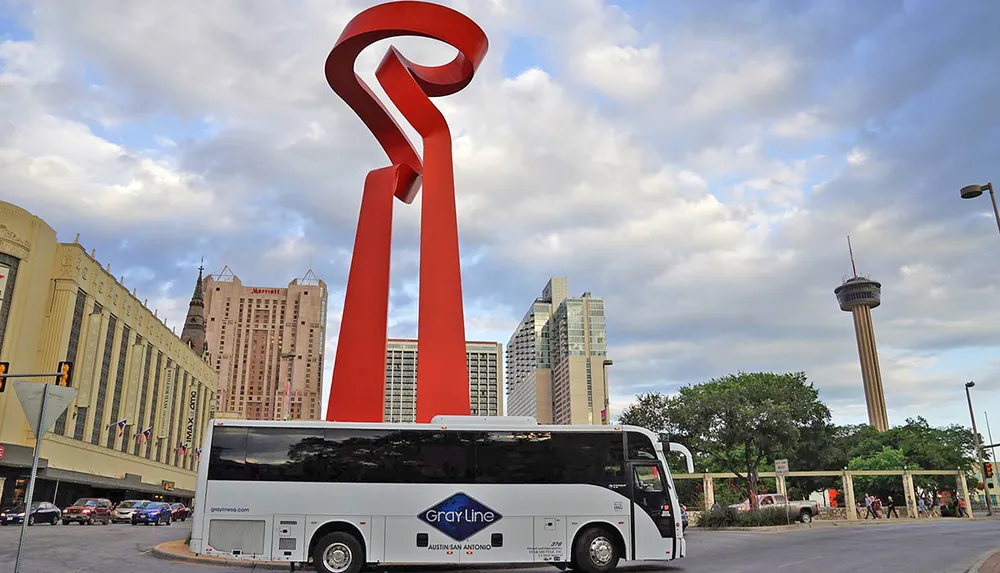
(152, 512)
(41, 512)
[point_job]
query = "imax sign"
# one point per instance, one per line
(459, 517)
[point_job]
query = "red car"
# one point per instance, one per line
(179, 512)
(88, 510)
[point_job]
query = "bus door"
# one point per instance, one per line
(651, 496)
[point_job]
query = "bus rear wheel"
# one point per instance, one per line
(338, 552)
(595, 551)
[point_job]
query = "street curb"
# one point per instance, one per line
(161, 553)
(974, 568)
(825, 524)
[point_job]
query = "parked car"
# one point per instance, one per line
(123, 513)
(803, 511)
(41, 512)
(179, 512)
(88, 510)
(152, 512)
(684, 515)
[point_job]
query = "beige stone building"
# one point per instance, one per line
(485, 363)
(267, 344)
(557, 359)
(59, 303)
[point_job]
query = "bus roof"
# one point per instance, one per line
(482, 423)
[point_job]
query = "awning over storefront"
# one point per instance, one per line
(132, 483)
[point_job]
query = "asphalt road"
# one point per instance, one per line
(947, 546)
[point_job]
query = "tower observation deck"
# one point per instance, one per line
(859, 295)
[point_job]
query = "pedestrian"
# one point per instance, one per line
(877, 507)
(857, 508)
(868, 507)
(921, 507)
(962, 510)
(891, 509)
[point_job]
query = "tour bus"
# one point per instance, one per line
(460, 490)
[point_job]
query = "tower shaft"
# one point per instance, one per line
(871, 375)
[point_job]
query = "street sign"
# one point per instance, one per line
(42, 404)
(781, 468)
(30, 394)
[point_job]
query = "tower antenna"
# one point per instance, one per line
(851, 251)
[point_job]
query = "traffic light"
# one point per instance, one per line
(988, 469)
(65, 376)
(4, 369)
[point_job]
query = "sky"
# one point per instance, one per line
(698, 164)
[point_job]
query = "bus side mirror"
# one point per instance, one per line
(675, 447)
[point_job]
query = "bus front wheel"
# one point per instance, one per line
(595, 551)
(338, 552)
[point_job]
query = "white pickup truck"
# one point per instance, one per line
(804, 510)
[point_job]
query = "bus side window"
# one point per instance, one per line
(640, 447)
(227, 459)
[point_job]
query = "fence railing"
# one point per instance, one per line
(847, 483)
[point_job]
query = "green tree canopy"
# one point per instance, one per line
(738, 421)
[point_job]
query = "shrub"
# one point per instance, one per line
(187, 540)
(729, 517)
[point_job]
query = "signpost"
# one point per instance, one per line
(781, 471)
(42, 404)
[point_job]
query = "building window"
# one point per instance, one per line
(8, 267)
(140, 423)
(156, 397)
(74, 343)
(81, 422)
(116, 402)
(102, 387)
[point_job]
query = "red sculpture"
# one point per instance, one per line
(358, 387)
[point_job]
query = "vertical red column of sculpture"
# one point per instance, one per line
(357, 389)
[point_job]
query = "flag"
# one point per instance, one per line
(197, 454)
(182, 449)
(121, 426)
(146, 433)
(138, 437)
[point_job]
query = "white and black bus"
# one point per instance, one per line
(462, 490)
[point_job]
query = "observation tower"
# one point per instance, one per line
(859, 295)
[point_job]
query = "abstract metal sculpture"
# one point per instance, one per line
(358, 387)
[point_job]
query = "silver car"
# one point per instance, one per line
(123, 513)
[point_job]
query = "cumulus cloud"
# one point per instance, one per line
(697, 165)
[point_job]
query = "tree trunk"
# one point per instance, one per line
(752, 478)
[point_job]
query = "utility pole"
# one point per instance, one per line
(979, 447)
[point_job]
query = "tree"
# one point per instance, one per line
(741, 420)
(649, 411)
(887, 458)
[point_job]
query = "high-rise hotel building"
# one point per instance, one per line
(557, 359)
(484, 360)
(145, 394)
(267, 345)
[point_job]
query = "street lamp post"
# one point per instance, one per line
(607, 398)
(973, 191)
(979, 446)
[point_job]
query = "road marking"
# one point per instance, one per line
(798, 562)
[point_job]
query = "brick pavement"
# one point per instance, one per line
(991, 565)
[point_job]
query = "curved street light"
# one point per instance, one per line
(973, 191)
(979, 445)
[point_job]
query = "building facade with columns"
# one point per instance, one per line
(145, 397)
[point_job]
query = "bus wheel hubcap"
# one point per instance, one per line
(601, 551)
(337, 557)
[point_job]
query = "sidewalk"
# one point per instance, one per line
(826, 523)
(179, 551)
(990, 565)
